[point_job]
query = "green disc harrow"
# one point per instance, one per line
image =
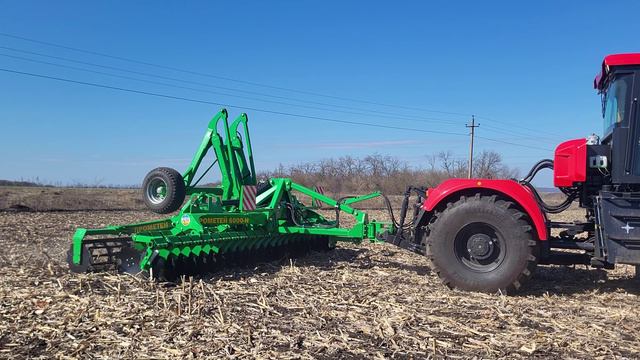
(239, 221)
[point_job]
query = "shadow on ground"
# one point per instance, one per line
(569, 280)
(557, 280)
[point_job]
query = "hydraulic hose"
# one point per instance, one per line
(548, 208)
(542, 164)
(404, 207)
(387, 204)
(571, 193)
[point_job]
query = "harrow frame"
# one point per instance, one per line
(216, 220)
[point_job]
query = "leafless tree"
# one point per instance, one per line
(389, 174)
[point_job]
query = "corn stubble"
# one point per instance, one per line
(358, 301)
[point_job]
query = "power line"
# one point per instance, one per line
(146, 63)
(536, 131)
(521, 135)
(332, 106)
(367, 113)
(511, 143)
(255, 109)
(228, 105)
(203, 84)
(224, 77)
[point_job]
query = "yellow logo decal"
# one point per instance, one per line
(152, 227)
(220, 220)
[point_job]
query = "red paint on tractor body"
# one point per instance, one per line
(509, 188)
(614, 60)
(570, 163)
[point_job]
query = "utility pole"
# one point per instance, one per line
(473, 127)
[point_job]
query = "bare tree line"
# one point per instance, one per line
(349, 174)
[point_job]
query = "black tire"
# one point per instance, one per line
(481, 243)
(174, 192)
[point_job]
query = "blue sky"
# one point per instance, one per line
(525, 68)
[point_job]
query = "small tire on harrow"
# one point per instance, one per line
(482, 243)
(163, 190)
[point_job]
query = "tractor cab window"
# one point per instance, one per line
(615, 101)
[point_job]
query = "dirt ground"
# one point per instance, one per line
(358, 301)
(23, 198)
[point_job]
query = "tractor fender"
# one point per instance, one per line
(511, 189)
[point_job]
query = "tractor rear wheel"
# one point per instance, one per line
(482, 243)
(163, 190)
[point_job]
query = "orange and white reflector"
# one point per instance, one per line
(249, 197)
(320, 190)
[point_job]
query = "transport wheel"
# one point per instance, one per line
(163, 190)
(482, 243)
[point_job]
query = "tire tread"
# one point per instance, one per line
(176, 190)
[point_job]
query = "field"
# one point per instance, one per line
(358, 301)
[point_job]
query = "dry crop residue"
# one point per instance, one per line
(359, 301)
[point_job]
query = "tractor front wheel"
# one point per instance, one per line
(163, 190)
(482, 243)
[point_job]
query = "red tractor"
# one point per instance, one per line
(489, 235)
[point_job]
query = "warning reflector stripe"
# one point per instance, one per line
(320, 190)
(249, 197)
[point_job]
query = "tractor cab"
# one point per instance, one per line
(621, 128)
